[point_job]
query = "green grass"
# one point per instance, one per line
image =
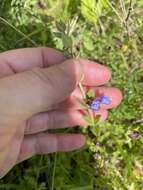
(107, 31)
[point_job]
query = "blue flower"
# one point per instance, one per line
(95, 104)
(105, 100)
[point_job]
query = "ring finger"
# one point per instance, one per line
(58, 119)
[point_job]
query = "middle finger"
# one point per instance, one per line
(73, 102)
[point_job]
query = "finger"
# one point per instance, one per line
(59, 119)
(103, 114)
(114, 95)
(74, 101)
(44, 143)
(53, 120)
(15, 61)
(94, 74)
(19, 60)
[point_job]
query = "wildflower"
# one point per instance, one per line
(95, 104)
(134, 135)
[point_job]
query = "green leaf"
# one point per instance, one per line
(90, 94)
(61, 26)
(67, 41)
(58, 34)
(88, 44)
(92, 9)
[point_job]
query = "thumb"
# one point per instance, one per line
(38, 89)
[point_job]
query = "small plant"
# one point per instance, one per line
(90, 101)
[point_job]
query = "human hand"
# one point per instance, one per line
(39, 91)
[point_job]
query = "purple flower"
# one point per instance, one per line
(134, 135)
(105, 100)
(95, 104)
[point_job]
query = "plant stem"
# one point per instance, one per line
(54, 170)
(90, 112)
(18, 31)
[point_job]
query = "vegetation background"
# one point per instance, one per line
(110, 31)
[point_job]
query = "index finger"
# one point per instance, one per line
(94, 74)
(27, 58)
(20, 60)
